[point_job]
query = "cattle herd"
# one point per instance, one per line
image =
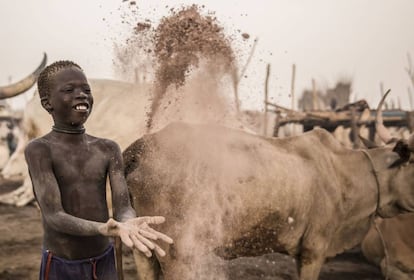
(229, 193)
(232, 194)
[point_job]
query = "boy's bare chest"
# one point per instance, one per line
(79, 164)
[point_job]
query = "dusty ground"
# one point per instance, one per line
(20, 245)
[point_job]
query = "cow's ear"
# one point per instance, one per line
(368, 143)
(402, 149)
(398, 162)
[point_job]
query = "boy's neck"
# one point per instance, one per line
(68, 130)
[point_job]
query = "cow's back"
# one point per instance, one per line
(221, 178)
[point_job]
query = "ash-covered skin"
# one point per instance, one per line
(69, 169)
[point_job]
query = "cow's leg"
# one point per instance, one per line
(173, 266)
(147, 268)
(310, 270)
(181, 263)
(311, 259)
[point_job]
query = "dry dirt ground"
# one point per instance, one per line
(20, 248)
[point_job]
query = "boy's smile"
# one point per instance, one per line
(83, 107)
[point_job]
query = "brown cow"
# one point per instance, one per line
(389, 243)
(234, 194)
(397, 235)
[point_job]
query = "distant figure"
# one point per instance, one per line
(359, 106)
(69, 169)
(333, 104)
(11, 139)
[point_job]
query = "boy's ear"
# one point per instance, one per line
(46, 104)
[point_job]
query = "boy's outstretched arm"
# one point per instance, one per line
(134, 231)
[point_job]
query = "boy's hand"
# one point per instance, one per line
(136, 233)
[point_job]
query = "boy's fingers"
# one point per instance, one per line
(147, 234)
(145, 241)
(126, 239)
(159, 251)
(141, 247)
(152, 219)
(161, 236)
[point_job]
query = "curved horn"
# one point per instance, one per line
(382, 131)
(23, 85)
(410, 142)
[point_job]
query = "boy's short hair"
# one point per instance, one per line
(44, 79)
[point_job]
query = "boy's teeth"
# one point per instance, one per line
(80, 107)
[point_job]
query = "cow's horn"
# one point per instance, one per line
(382, 131)
(410, 142)
(23, 85)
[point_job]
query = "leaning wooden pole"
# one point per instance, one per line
(382, 92)
(248, 59)
(266, 97)
(236, 90)
(237, 77)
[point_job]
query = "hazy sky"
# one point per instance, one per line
(328, 40)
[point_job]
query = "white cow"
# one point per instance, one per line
(6, 115)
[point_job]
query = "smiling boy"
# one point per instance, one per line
(69, 169)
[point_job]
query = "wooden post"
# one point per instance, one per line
(409, 69)
(118, 242)
(292, 87)
(314, 97)
(277, 125)
(118, 258)
(266, 99)
(354, 128)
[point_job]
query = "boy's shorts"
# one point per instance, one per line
(101, 267)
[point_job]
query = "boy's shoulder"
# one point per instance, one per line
(44, 143)
(39, 145)
(40, 141)
(103, 141)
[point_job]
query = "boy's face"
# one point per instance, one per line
(70, 98)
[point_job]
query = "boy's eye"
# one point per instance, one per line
(68, 90)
